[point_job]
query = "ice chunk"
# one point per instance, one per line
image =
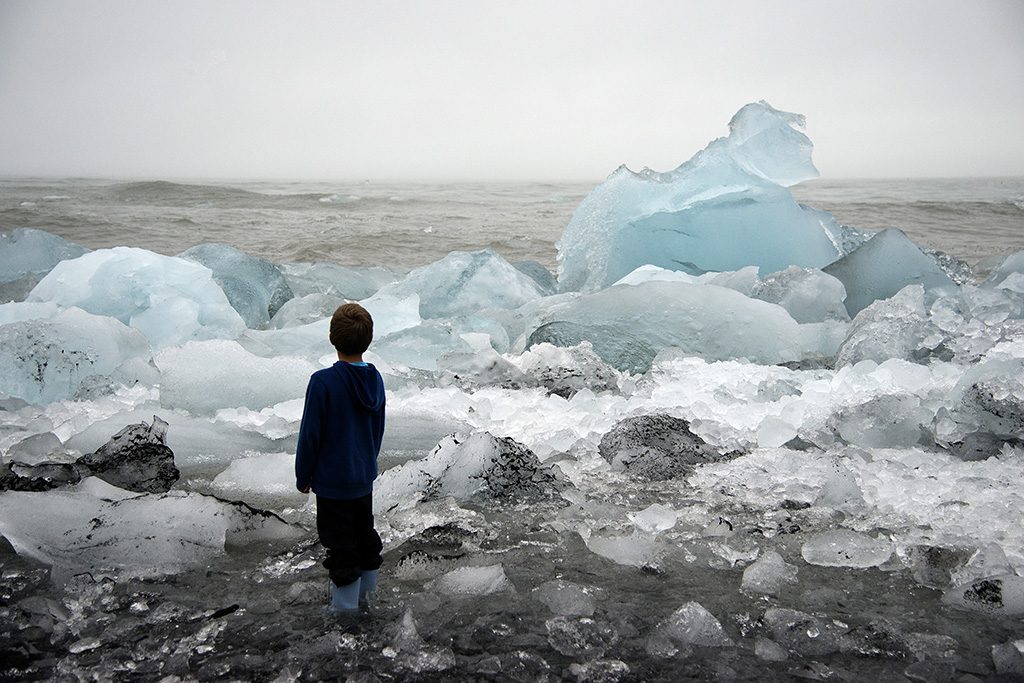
(1009, 658)
(261, 480)
(304, 310)
(884, 265)
(541, 275)
(413, 654)
(566, 598)
(26, 250)
(311, 341)
(462, 283)
(638, 549)
(467, 467)
(769, 574)
(334, 280)
(38, 448)
(253, 285)
(200, 444)
(628, 325)
(840, 489)
(203, 376)
(654, 518)
(744, 281)
(169, 299)
(473, 581)
(566, 371)
(16, 312)
(692, 624)
(135, 459)
(897, 327)
(724, 209)
(580, 636)
(52, 359)
(999, 595)
(1014, 263)
(768, 650)
(420, 346)
(392, 313)
(886, 421)
(845, 548)
(808, 294)
(96, 526)
(808, 634)
(600, 671)
(990, 398)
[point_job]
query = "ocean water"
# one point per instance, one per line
(596, 581)
(405, 226)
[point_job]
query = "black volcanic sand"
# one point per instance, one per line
(260, 615)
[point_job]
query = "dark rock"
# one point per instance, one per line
(657, 447)
(135, 459)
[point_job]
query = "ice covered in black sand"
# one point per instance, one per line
(734, 440)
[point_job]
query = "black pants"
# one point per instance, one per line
(347, 534)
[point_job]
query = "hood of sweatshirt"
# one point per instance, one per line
(364, 384)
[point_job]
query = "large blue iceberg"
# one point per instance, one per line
(726, 208)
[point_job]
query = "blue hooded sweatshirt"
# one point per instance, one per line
(341, 430)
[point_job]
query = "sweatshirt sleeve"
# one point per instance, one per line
(309, 435)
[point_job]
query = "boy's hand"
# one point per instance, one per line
(305, 490)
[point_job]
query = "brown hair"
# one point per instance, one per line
(351, 329)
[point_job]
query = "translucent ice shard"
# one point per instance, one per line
(25, 250)
(462, 283)
(726, 208)
(254, 286)
(884, 265)
(473, 581)
(845, 548)
(769, 574)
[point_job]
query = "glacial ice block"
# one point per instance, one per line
(884, 265)
(26, 250)
(253, 285)
(726, 208)
(97, 526)
(462, 283)
(169, 299)
(1014, 263)
(202, 377)
(334, 280)
(43, 360)
(629, 325)
(421, 346)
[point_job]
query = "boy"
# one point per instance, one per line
(336, 457)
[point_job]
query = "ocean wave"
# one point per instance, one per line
(165, 191)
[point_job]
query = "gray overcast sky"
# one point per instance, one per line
(490, 90)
